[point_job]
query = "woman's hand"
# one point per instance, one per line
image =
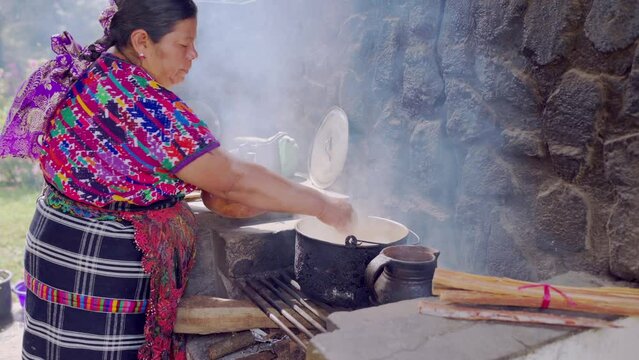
(339, 214)
(228, 208)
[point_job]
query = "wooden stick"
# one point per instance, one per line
(468, 313)
(582, 303)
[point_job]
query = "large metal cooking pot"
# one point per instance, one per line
(331, 267)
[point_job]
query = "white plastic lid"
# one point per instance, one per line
(329, 150)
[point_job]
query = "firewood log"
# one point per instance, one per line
(209, 315)
(230, 343)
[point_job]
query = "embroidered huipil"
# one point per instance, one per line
(121, 137)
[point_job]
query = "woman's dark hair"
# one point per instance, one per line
(156, 17)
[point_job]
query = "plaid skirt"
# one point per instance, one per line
(87, 290)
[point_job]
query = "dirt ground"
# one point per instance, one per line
(11, 335)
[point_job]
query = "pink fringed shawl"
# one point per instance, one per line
(167, 240)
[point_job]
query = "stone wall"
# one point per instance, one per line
(514, 126)
(505, 133)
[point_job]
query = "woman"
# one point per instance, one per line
(111, 242)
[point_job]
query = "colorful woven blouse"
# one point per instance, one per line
(121, 137)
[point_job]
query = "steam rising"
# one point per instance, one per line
(270, 66)
(263, 68)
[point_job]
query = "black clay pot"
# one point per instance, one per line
(402, 272)
(331, 267)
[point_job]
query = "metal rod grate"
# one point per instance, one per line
(279, 293)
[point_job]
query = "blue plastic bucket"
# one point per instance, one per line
(20, 289)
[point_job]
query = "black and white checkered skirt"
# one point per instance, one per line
(87, 290)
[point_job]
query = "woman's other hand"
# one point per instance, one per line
(229, 208)
(339, 214)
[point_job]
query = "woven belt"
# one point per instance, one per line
(85, 302)
(55, 199)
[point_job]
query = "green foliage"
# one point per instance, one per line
(5, 98)
(4, 110)
(17, 205)
(26, 26)
(25, 31)
(20, 173)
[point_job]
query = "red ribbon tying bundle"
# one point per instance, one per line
(546, 300)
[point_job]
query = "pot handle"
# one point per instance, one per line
(419, 241)
(374, 270)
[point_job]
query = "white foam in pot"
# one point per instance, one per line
(371, 228)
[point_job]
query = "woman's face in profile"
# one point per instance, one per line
(170, 59)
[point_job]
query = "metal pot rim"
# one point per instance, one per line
(321, 232)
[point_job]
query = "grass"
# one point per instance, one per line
(16, 209)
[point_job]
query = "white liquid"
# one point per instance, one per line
(375, 229)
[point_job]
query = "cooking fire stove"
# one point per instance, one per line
(253, 258)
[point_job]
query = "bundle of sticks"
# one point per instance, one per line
(463, 288)
(454, 287)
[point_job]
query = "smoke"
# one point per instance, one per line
(269, 66)
(263, 67)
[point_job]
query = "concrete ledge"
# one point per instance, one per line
(597, 344)
(397, 331)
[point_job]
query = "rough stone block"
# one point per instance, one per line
(468, 117)
(472, 217)
(521, 142)
(561, 219)
(422, 82)
(503, 255)
(502, 81)
(612, 25)
(387, 56)
(424, 18)
(631, 92)
(431, 161)
(456, 50)
(388, 145)
(550, 28)
(623, 232)
(622, 165)
(350, 98)
(569, 121)
(496, 18)
(488, 241)
(484, 173)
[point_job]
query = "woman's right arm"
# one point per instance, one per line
(227, 177)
